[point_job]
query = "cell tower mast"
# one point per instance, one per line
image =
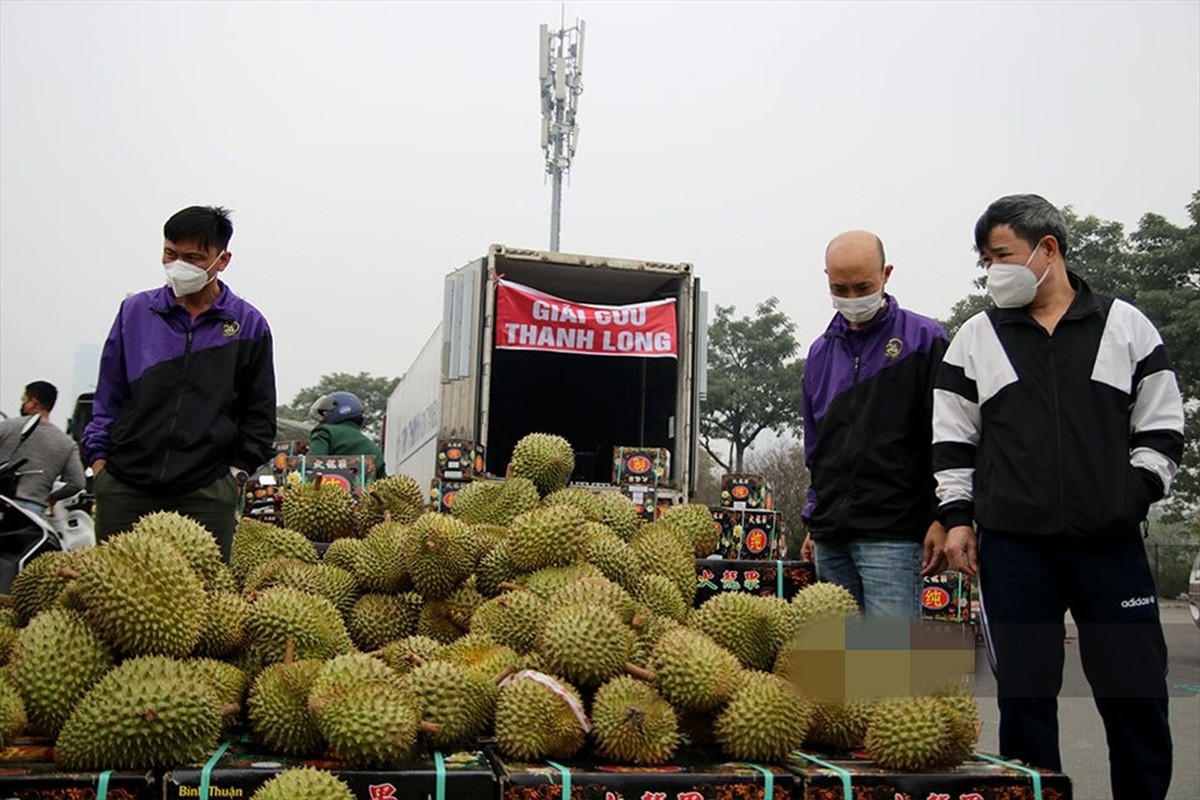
(560, 68)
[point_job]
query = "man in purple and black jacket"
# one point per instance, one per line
(868, 400)
(185, 399)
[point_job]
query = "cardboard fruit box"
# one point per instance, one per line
(982, 778)
(28, 772)
(946, 597)
(239, 771)
(752, 534)
(689, 776)
(769, 578)
(645, 465)
(459, 460)
(746, 492)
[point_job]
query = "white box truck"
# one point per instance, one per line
(605, 352)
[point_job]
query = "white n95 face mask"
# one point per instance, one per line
(185, 278)
(1014, 285)
(858, 309)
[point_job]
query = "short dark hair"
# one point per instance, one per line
(205, 225)
(1032, 218)
(43, 392)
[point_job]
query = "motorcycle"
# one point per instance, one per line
(25, 534)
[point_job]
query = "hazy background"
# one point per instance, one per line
(368, 148)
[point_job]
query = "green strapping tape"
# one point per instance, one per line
(102, 785)
(206, 773)
(439, 766)
(1032, 773)
(768, 780)
(779, 579)
(566, 779)
(847, 792)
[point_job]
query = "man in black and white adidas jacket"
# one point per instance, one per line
(1057, 422)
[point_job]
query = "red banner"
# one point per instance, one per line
(527, 319)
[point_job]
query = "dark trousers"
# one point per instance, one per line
(1025, 588)
(119, 506)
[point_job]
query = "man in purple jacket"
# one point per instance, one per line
(185, 399)
(868, 400)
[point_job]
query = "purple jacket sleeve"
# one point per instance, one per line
(112, 391)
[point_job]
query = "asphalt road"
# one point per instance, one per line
(1084, 751)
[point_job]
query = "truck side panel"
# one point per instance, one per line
(410, 438)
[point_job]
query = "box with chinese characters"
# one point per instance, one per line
(769, 578)
(442, 494)
(981, 778)
(645, 465)
(240, 771)
(644, 497)
(946, 597)
(749, 534)
(352, 473)
(746, 492)
(459, 460)
(28, 772)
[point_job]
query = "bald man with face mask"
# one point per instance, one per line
(868, 387)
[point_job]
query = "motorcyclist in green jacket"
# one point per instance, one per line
(339, 430)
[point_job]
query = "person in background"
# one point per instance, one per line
(868, 385)
(338, 432)
(185, 399)
(49, 452)
(1057, 422)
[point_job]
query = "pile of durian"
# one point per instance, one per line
(544, 616)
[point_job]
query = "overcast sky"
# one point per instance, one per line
(366, 149)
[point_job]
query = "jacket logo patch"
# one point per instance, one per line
(230, 328)
(893, 347)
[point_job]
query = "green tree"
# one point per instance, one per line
(753, 381)
(373, 391)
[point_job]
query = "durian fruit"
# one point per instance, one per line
(614, 558)
(961, 712)
(141, 595)
(333, 583)
(512, 619)
(398, 498)
(278, 708)
(475, 501)
(495, 568)
(632, 723)
(440, 554)
(343, 553)
(661, 596)
(595, 592)
(692, 671)
(820, 601)
(587, 502)
(404, 654)
(909, 734)
(749, 626)
(455, 699)
(303, 783)
(619, 513)
(440, 620)
(39, 585)
(648, 628)
(281, 615)
(12, 713)
(480, 654)
(195, 541)
(766, 719)
(224, 631)
(228, 682)
(517, 495)
(837, 726)
(380, 564)
(545, 459)
(696, 521)
(321, 510)
(8, 637)
(148, 712)
(586, 644)
(663, 549)
(353, 669)
(545, 582)
(368, 724)
(546, 537)
(486, 537)
(539, 717)
(256, 542)
(377, 619)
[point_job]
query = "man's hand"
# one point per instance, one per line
(934, 559)
(960, 549)
(98, 466)
(808, 549)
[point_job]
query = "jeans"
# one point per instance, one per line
(884, 575)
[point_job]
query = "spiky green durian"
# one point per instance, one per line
(256, 542)
(440, 554)
(539, 717)
(333, 583)
(41, 583)
(512, 619)
(398, 498)
(224, 630)
(282, 614)
(588, 503)
(632, 723)
(321, 510)
(544, 458)
(480, 654)
(660, 594)
(587, 644)
(278, 708)
(405, 654)
(749, 626)
(766, 719)
(12, 713)
(495, 568)
(546, 537)
(619, 513)
(545, 582)
(303, 783)
(148, 712)
(485, 538)
(837, 726)
(228, 683)
(696, 521)
(56, 660)
(368, 724)
(195, 541)
(614, 558)
(440, 620)
(908, 734)
(353, 669)
(458, 700)
(377, 619)
(692, 671)
(381, 564)
(597, 592)
(343, 553)
(819, 601)
(662, 549)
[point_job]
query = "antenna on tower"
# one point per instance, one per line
(560, 73)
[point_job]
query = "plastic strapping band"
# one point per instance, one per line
(1034, 775)
(847, 792)
(779, 579)
(439, 766)
(206, 773)
(768, 780)
(102, 785)
(566, 779)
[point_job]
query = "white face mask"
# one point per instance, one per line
(1014, 285)
(857, 310)
(185, 278)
